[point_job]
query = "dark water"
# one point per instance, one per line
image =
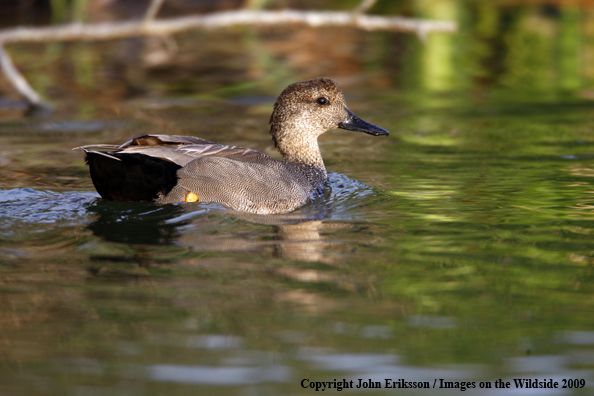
(458, 249)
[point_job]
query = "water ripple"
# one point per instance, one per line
(26, 205)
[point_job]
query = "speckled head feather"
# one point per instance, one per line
(302, 112)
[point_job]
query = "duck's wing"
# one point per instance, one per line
(145, 167)
(174, 148)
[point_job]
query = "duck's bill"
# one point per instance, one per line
(354, 123)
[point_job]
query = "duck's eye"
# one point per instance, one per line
(322, 100)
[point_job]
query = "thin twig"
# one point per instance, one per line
(152, 11)
(19, 82)
(115, 30)
(364, 6)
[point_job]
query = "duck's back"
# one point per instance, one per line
(169, 169)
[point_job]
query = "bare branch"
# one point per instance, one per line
(152, 11)
(165, 27)
(115, 30)
(16, 79)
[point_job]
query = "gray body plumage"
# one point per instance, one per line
(239, 178)
(249, 181)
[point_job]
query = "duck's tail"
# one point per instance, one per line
(130, 177)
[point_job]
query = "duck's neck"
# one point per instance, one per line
(304, 153)
(300, 148)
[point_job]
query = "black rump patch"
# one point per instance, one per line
(136, 177)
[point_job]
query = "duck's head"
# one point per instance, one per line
(305, 110)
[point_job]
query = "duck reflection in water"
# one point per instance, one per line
(295, 236)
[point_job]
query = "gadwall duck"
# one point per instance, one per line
(169, 169)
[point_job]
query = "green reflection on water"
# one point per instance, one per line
(437, 51)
